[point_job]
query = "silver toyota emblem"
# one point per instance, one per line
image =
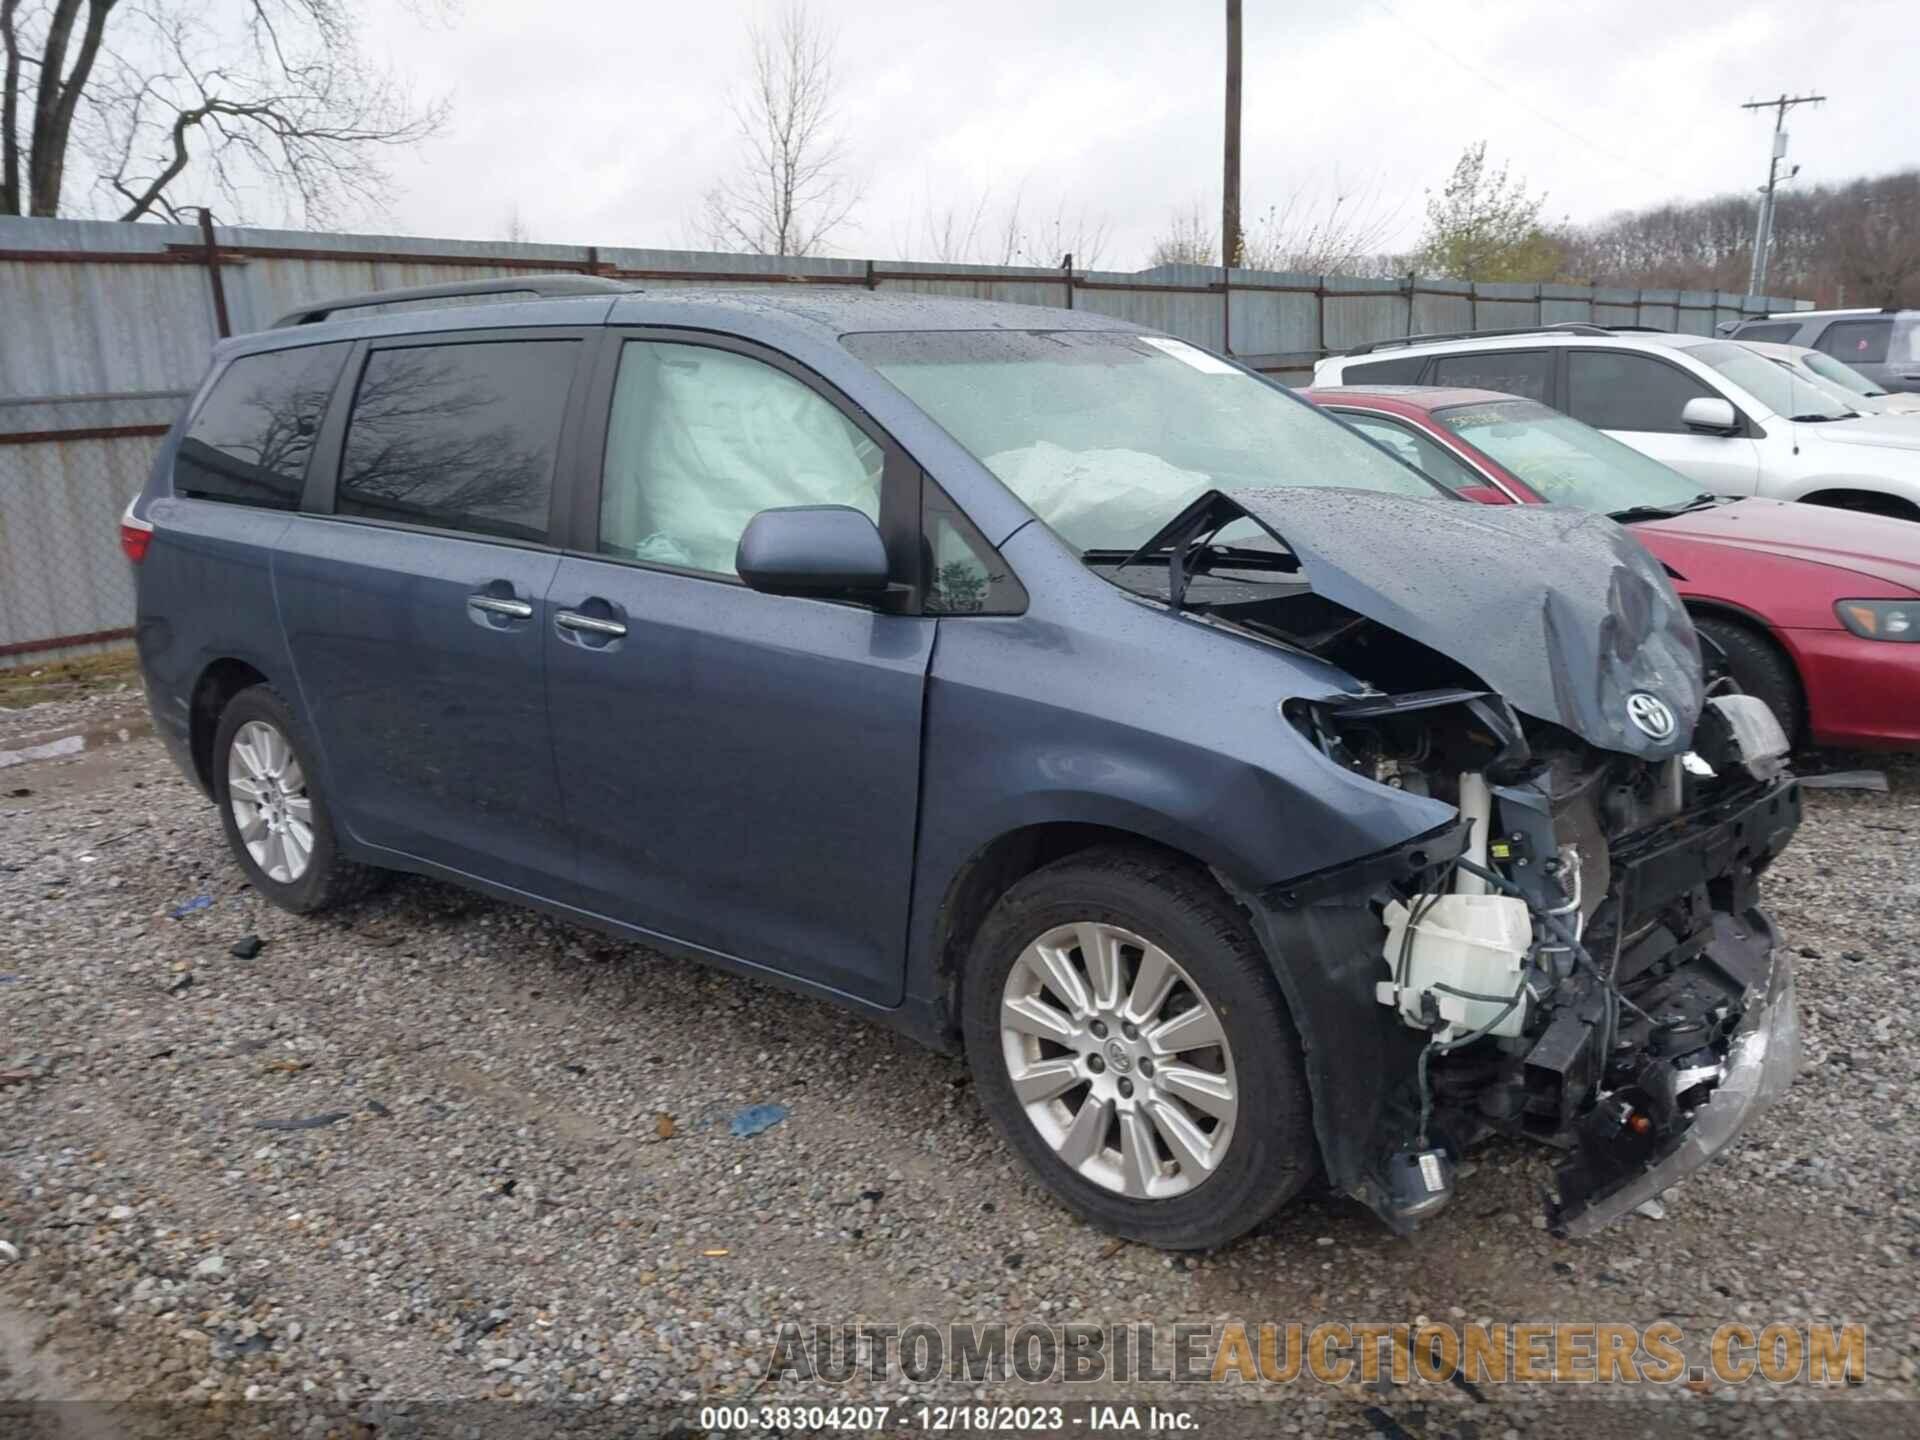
(1650, 715)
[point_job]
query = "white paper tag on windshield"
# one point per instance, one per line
(1188, 355)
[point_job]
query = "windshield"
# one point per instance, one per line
(1772, 385)
(1838, 372)
(1566, 462)
(1107, 436)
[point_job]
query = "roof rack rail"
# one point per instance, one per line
(544, 286)
(1564, 327)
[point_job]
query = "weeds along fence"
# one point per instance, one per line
(105, 327)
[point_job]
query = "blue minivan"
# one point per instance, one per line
(1246, 809)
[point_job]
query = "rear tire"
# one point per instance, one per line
(1761, 670)
(1150, 1131)
(277, 822)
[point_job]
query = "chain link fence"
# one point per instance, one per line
(68, 466)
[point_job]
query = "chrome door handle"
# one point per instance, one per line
(593, 625)
(494, 605)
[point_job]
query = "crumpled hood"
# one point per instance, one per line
(1560, 611)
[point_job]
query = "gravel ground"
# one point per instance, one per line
(519, 1180)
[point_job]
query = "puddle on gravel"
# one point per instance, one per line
(61, 747)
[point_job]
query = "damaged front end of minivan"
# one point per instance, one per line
(1580, 956)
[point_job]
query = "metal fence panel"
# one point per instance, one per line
(62, 576)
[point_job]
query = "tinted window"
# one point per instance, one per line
(1611, 390)
(702, 440)
(459, 437)
(250, 442)
(1858, 342)
(1781, 333)
(1527, 373)
(1402, 370)
(1420, 451)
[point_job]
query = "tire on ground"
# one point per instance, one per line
(329, 879)
(1177, 906)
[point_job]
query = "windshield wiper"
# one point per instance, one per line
(1816, 419)
(1664, 512)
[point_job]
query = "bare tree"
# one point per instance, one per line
(1187, 240)
(1340, 233)
(795, 185)
(164, 105)
(984, 232)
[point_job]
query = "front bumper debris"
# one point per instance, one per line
(1762, 1059)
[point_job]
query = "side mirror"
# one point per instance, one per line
(1484, 494)
(1711, 414)
(812, 550)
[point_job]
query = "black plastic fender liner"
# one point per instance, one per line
(1323, 939)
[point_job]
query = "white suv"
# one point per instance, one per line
(1713, 410)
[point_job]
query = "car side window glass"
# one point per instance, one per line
(1777, 334)
(965, 575)
(1401, 370)
(250, 443)
(1422, 452)
(1615, 390)
(1858, 342)
(700, 440)
(458, 436)
(1527, 373)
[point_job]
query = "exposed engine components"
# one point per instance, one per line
(1459, 964)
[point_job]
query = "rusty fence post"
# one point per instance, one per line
(210, 247)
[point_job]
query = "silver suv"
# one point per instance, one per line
(1884, 345)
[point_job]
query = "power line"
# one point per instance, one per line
(1636, 167)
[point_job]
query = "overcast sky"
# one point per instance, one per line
(604, 121)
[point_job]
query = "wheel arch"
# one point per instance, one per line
(213, 690)
(1869, 496)
(1001, 863)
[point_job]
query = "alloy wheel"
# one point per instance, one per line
(267, 791)
(1119, 1060)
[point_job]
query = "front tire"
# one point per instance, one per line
(1128, 1039)
(1760, 670)
(277, 822)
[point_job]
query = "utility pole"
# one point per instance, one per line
(1763, 231)
(1230, 181)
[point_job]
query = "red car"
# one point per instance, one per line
(1817, 609)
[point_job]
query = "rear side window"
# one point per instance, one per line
(1527, 373)
(1858, 342)
(1401, 370)
(1610, 390)
(1780, 334)
(250, 442)
(1422, 452)
(458, 436)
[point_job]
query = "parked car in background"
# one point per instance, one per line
(1846, 383)
(1816, 610)
(1730, 420)
(905, 651)
(1884, 345)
